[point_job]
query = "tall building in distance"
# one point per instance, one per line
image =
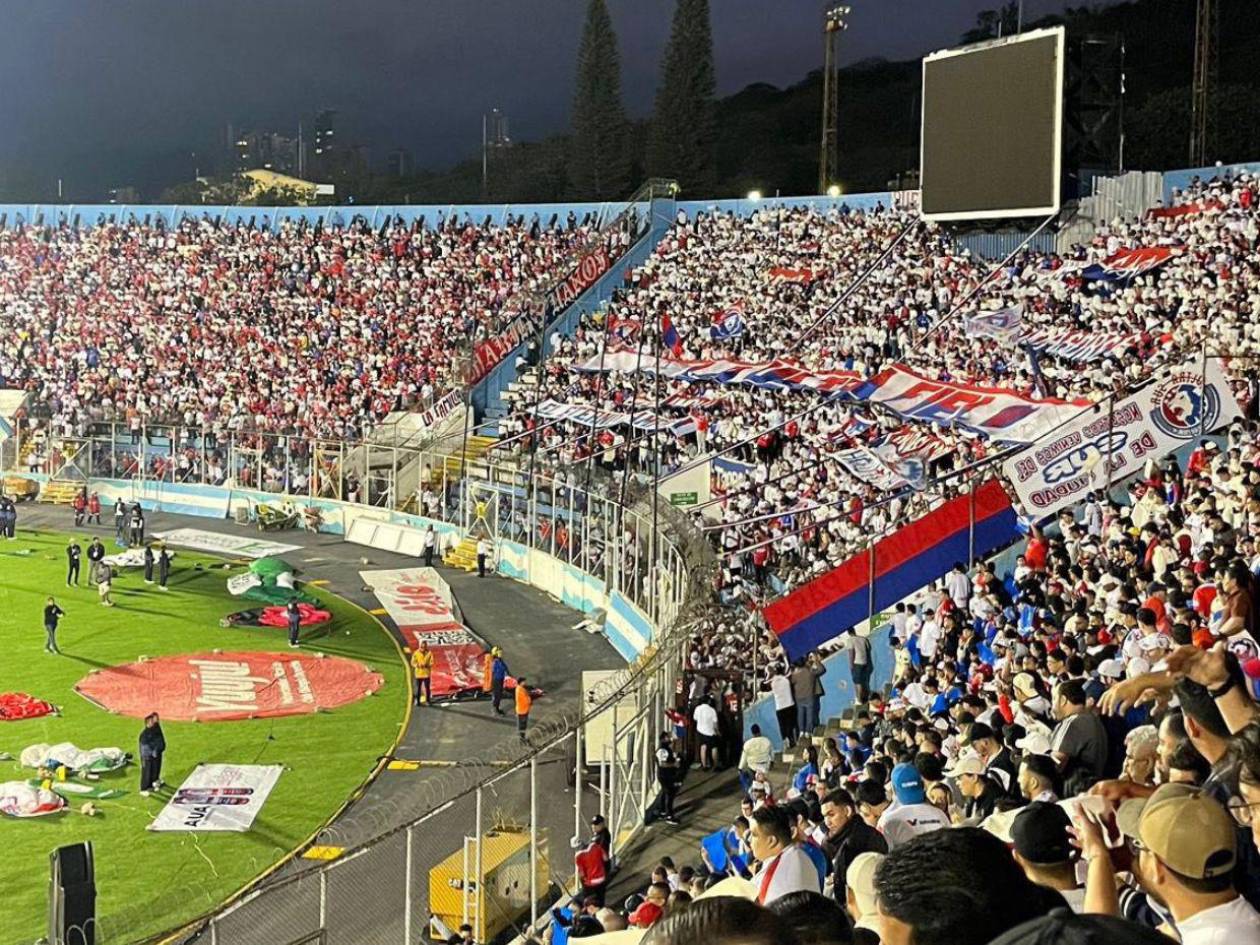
(312, 151)
(248, 150)
(398, 163)
(324, 143)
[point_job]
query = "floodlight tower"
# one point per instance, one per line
(1207, 29)
(835, 22)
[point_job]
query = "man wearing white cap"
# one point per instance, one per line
(859, 883)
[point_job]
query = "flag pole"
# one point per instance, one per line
(656, 457)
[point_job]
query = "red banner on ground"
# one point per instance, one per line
(229, 687)
(457, 657)
(15, 706)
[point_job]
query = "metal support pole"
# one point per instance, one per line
(971, 526)
(323, 900)
(610, 763)
(1203, 389)
(603, 786)
(646, 727)
(1111, 425)
(479, 925)
(407, 936)
(463, 892)
(577, 781)
(870, 586)
(533, 840)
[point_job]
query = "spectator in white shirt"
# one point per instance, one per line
(706, 719)
(785, 867)
(958, 584)
(1187, 850)
(911, 815)
(758, 754)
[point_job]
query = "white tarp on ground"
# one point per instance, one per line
(219, 797)
(91, 760)
(22, 799)
(223, 544)
(1061, 469)
(414, 597)
(131, 558)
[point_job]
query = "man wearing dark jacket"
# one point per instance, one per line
(152, 745)
(847, 836)
(95, 554)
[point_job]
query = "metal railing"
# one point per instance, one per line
(485, 840)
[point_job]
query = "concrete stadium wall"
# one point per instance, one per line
(744, 207)
(272, 217)
(487, 395)
(628, 628)
(1178, 180)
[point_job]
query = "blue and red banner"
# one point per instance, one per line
(906, 561)
(669, 336)
(1128, 263)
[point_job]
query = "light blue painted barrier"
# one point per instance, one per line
(628, 629)
(837, 688)
(822, 203)
(272, 217)
(1179, 180)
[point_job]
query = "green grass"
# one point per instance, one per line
(147, 882)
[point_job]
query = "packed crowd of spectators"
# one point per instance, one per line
(308, 330)
(1066, 752)
(786, 508)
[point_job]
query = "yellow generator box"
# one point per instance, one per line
(501, 900)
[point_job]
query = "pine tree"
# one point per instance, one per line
(599, 165)
(684, 125)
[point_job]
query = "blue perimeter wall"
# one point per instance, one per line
(837, 688)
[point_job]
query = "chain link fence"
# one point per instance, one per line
(489, 839)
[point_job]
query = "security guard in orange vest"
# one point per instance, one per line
(422, 663)
(524, 702)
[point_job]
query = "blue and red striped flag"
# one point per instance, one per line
(669, 336)
(906, 561)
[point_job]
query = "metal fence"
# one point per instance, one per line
(488, 840)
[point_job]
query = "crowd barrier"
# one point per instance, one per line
(472, 843)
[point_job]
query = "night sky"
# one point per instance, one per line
(124, 91)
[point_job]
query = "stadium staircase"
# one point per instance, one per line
(462, 458)
(463, 555)
(60, 491)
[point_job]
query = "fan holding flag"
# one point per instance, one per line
(728, 323)
(669, 336)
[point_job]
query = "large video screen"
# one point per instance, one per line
(993, 128)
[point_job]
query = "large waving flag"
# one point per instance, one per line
(904, 562)
(669, 336)
(727, 324)
(1004, 324)
(1128, 263)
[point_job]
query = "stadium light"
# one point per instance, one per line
(833, 190)
(754, 195)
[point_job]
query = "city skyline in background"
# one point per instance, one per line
(149, 94)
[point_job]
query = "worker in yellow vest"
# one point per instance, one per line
(422, 663)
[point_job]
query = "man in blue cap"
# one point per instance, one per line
(910, 814)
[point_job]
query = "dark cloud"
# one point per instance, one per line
(117, 91)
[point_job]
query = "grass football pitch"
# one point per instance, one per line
(147, 882)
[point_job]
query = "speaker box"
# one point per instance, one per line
(72, 896)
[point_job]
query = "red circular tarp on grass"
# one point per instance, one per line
(224, 687)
